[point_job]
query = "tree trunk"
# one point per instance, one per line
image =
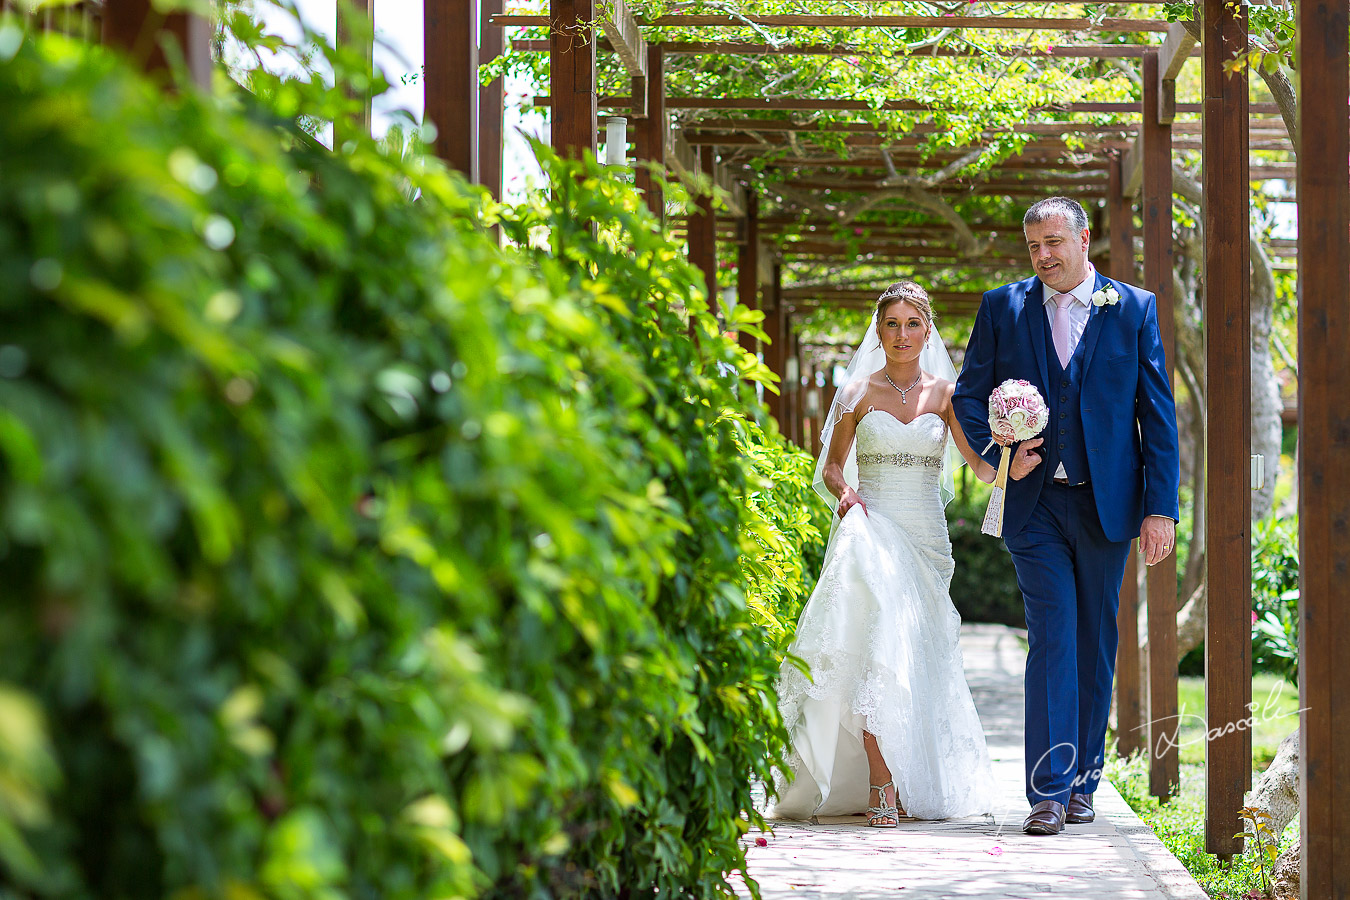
(1277, 791)
(1191, 621)
(1286, 880)
(1267, 427)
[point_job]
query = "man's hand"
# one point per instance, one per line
(1024, 460)
(848, 500)
(1156, 538)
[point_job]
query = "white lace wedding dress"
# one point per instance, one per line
(881, 638)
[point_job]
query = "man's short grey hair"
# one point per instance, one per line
(1051, 207)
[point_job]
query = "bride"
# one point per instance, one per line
(887, 697)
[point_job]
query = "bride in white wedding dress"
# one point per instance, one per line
(885, 722)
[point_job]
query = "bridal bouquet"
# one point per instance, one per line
(1017, 412)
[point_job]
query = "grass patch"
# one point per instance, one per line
(1180, 823)
(1275, 710)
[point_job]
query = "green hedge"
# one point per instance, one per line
(790, 529)
(344, 553)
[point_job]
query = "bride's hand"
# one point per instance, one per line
(848, 500)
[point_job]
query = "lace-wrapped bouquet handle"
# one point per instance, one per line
(1017, 412)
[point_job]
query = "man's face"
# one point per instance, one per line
(1058, 253)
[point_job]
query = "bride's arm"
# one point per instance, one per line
(840, 442)
(982, 469)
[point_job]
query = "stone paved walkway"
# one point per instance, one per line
(1115, 858)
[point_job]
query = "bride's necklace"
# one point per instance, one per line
(903, 391)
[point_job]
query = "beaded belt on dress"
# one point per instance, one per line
(900, 459)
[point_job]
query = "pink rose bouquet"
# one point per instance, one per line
(1017, 412)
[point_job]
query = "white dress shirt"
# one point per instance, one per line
(1078, 313)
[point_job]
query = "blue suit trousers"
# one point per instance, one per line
(1069, 574)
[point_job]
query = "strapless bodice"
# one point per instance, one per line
(897, 458)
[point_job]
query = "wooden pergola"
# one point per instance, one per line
(1123, 166)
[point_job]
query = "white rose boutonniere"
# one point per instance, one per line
(1107, 296)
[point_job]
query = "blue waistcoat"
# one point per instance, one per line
(1064, 441)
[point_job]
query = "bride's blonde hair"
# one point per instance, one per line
(910, 292)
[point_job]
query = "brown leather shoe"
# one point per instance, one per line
(1080, 809)
(1047, 817)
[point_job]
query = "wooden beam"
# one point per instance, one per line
(356, 31)
(1050, 179)
(1324, 448)
(733, 192)
(653, 133)
(911, 164)
(1178, 47)
(625, 37)
(820, 103)
(746, 124)
(695, 20)
(946, 256)
(1164, 771)
(572, 75)
(1228, 414)
(136, 28)
(749, 48)
(491, 108)
(817, 104)
(943, 301)
(769, 143)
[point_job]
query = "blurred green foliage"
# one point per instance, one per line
(1275, 593)
(347, 554)
(984, 582)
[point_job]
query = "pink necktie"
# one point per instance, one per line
(1059, 329)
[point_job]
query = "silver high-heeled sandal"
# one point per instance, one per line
(879, 815)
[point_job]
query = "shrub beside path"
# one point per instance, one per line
(1115, 858)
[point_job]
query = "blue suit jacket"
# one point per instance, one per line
(1128, 413)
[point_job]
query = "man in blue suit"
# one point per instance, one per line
(1105, 471)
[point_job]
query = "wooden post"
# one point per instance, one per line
(1129, 699)
(137, 29)
(650, 138)
(356, 29)
(796, 403)
(1324, 447)
(775, 356)
(823, 407)
(1164, 764)
(747, 269)
(450, 88)
(1228, 414)
(491, 110)
(1121, 223)
(571, 58)
(702, 230)
(1129, 680)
